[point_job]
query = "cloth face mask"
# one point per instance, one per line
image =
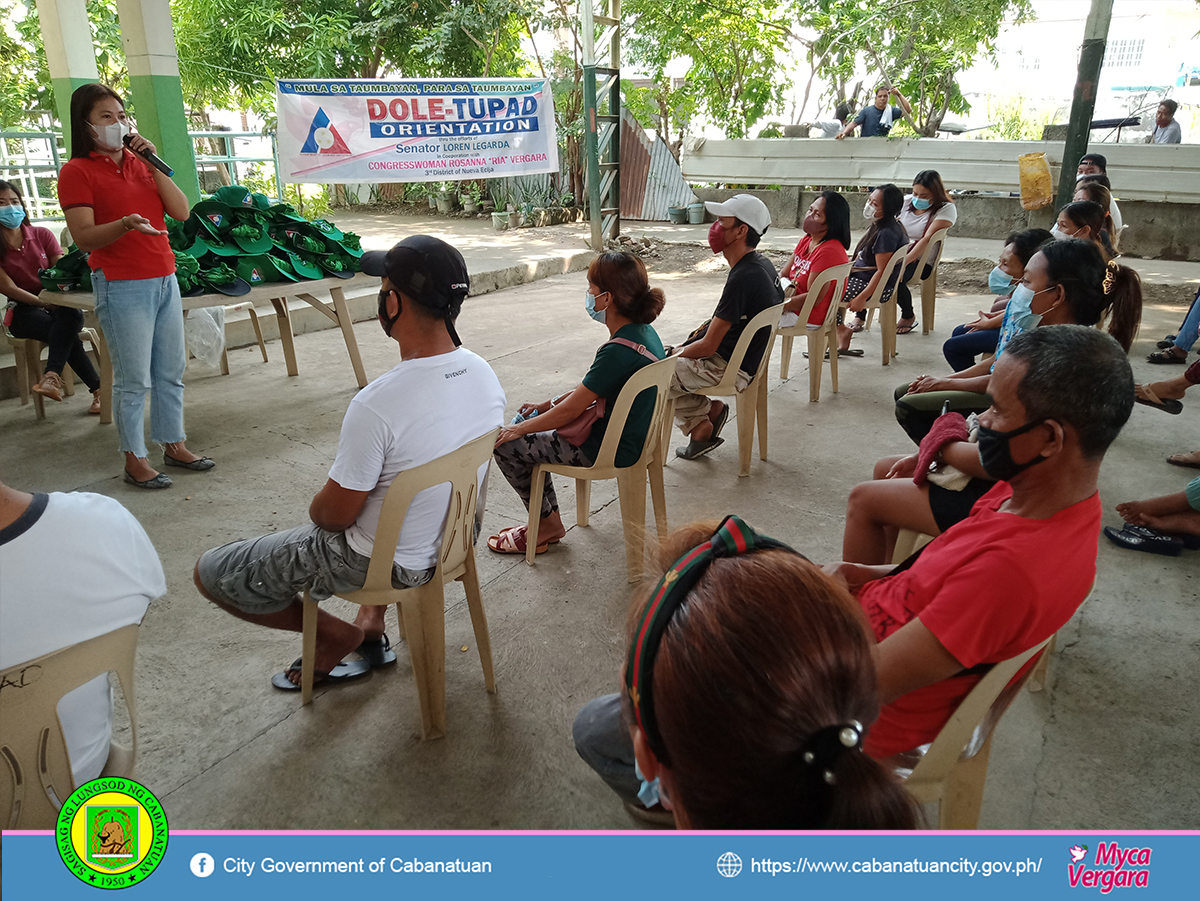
(995, 455)
(716, 237)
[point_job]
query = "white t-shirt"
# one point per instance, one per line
(1115, 212)
(421, 410)
(72, 567)
(914, 221)
(825, 128)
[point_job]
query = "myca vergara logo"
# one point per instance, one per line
(1112, 867)
(111, 833)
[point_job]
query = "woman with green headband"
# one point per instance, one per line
(748, 684)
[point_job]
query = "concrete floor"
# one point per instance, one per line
(1112, 743)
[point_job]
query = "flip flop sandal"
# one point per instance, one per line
(906, 329)
(1163, 357)
(1166, 342)
(1192, 460)
(377, 653)
(1190, 542)
(1157, 544)
(346, 671)
(860, 325)
(696, 449)
(1150, 399)
(719, 423)
(848, 352)
(512, 541)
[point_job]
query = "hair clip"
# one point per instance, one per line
(1110, 273)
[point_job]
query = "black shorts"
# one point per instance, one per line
(950, 507)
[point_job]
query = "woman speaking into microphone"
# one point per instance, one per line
(114, 204)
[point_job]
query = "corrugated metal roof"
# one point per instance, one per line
(651, 180)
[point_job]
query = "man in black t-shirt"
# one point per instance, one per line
(752, 286)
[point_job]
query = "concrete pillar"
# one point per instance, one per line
(70, 55)
(149, 38)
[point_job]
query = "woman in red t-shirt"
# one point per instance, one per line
(114, 204)
(825, 242)
(24, 250)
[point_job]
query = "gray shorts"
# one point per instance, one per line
(264, 574)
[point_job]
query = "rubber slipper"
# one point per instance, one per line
(1144, 395)
(1192, 459)
(696, 449)
(905, 329)
(162, 480)
(719, 422)
(860, 325)
(377, 652)
(1190, 542)
(1159, 544)
(1163, 357)
(512, 541)
(204, 464)
(1166, 342)
(346, 671)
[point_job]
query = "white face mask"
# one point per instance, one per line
(869, 212)
(1059, 234)
(109, 137)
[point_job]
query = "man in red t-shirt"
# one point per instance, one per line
(1014, 572)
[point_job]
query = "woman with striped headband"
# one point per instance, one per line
(747, 686)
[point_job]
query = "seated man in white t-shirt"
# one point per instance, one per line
(440, 397)
(72, 567)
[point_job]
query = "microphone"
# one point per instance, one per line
(151, 158)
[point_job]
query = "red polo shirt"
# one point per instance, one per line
(40, 247)
(96, 181)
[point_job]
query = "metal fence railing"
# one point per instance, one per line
(31, 160)
(216, 169)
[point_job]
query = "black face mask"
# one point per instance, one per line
(386, 322)
(995, 455)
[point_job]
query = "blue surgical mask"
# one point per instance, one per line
(920, 203)
(648, 793)
(12, 216)
(1020, 309)
(999, 281)
(589, 304)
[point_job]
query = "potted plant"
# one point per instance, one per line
(447, 199)
(473, 198)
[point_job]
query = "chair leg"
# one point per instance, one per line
(963, 795)
(308, 652)
(224, 361)
(928, 302)
(68, 380)
(785, 356)
(536, 490)
(761, 408)
(745, 428)
(658, 493)
(470, 581)
(631, 491)
(262, 345)
(412, 609)
(1041, 672)
(816, 359)
(18, 346)
(33, 370)
(583, 502)
(831, 346)
(887, 315)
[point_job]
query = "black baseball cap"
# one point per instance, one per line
(1096, 158)
(428, 270)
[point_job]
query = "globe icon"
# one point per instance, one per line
(729, 865)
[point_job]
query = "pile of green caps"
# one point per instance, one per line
(70, 273)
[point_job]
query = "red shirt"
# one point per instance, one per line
(808, 260)
(95, 181)
(22, 265)
(988, 588)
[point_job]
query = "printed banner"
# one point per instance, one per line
(372, 130)
(982, 866)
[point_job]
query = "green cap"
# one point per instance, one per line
(214, 215)
(284, 212)
(251, 236)
(234, 197)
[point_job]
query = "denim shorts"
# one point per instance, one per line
(265, 574)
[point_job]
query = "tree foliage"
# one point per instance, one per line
(919, 46)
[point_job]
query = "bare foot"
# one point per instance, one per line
(551, 528)
(1176, 523)
(1192, 459)
(335, 639)
(1137, 511)
(139, 467)
(701, 432)
(370, 620)
(180, 453)
(1166, 390)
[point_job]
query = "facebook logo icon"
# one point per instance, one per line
(202, 865)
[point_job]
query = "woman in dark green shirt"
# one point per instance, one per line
(619, 296)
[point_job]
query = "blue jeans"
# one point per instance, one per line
(602, 740)
(963, 347)
(143, 324)
(1191, 322)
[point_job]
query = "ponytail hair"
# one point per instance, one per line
(1096, 218)
(766, 662)
(624, 276)
(1123, 291)
(1096, 289)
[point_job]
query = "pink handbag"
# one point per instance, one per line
(579, 429)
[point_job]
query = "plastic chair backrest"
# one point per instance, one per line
(653, 375)
(895, 263)
(768, 318)
(461, 469)
(31, 739)
(971, 724)
(933, 252)
(833, 274)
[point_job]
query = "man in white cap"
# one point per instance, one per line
(752, 286)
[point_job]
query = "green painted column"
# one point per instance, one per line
(149, 38)
(70, 55)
